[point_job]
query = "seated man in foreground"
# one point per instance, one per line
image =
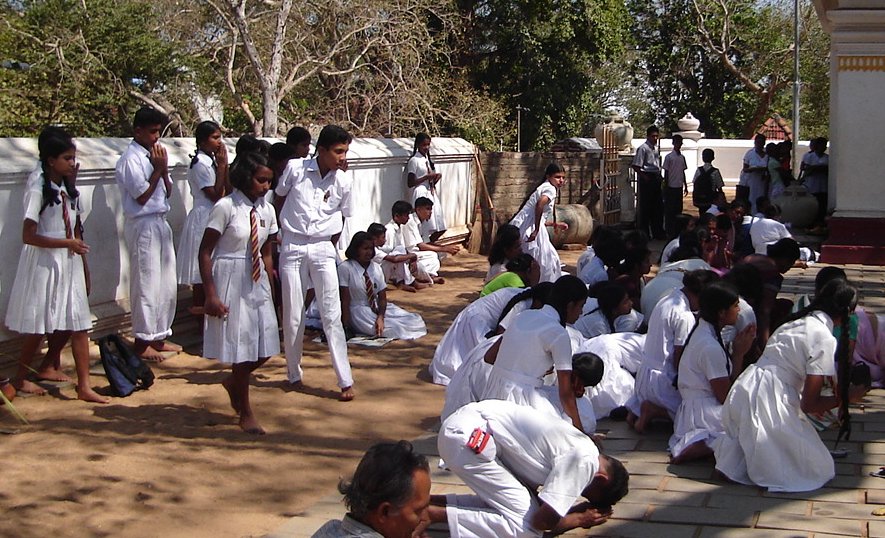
(387, 496)
(504, 452)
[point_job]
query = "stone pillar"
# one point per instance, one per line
(857, 124)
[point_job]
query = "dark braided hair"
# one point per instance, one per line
(52, 142)
(204, 130)
(419, 138)
(715, 298)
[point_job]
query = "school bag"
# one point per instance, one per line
(125, 370)
(702, 193)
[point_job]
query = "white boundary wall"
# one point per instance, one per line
(377, 166)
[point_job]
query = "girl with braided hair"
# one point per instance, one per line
(706, 372)
(768, 441)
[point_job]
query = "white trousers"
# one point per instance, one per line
(153, 287)
(502, 505)
(306, 263)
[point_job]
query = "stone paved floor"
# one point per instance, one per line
(686, 501)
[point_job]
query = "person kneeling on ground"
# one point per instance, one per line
(387, 497)
(504, 452)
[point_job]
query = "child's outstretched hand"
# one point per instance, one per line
(215, 308)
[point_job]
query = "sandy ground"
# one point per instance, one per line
(171, 460)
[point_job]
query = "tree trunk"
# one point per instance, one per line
(271, 108)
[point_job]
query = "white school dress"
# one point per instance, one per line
(754, 180)
(593, 322)
(668, 327)
(398, 323)
(541, 248)
(420, 166)
(250, 331)
(469, 382)
(199, 176)
(699, 417)
(669, 278)
(768, 440)
(533, 344)
(468, 330)
(616, 387)
(593, 270)
(49, 292)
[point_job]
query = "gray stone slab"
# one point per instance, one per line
(840, 527)
(842, 511)
(875, 496)
(668, 498)
(637, 529)
(726, 517)
(758, 504)
(645, 482)
(876, 529)
(720, 532)
(822, 494)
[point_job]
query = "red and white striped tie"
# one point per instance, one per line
(253, 246)
(370, 292)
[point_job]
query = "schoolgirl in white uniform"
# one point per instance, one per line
(236, 266)
(612, 302)
(534, 215)
(207, 178)
(49, 295)
(768, 441)
(364, 306)
(706, 372)
(422, 178)
(536, 341)
(473, 323)
(142, 173)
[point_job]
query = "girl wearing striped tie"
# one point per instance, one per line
(49, 296)
(364, 306)
(235, 265)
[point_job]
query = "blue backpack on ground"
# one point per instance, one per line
(125, 370)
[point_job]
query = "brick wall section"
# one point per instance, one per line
(511, 177)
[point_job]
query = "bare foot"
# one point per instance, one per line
(406, 287)
(421, 285)
(631, 419)
(196, 310)
(163, 345)
(249, 425)
(88, 395)
(234, 401)
(28, 387)
(346, 394)
(152, 355)
(439, 280)
(52, 374)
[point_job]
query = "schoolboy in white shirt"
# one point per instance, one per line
(142, 173)
(313, 197)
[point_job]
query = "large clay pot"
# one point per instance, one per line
(622, 129)
(580, 225)
(798, 207)
(688, 123)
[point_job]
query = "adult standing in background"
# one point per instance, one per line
(753, 174)
(422, 177)
(647, 165)
(816, 171)
(142, 173)
(677, 186)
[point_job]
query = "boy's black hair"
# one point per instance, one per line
(375, 229)
(423, 201)
(401, 207)
(280, 152)
(786, 248)
(148, 116)
(708, 155)
(297, 135)
(333, 134)
(652, 129)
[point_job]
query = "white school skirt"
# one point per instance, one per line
(251, 330)
(398, 323)
(188, 266)
(49, 292)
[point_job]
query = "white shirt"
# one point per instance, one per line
(593, 271)
(801, 348)
(133, 171)
(314, 205)
(393, 238)
(675, 167)
(350, 275)
(715, 176)
(540, 451)
(816, 182)
(231, 218)
(668, 327)
(753, 160)
(669, 249)
(764, 232)
(535, 342)
(50, 222)
(624, 348)
(200, 176)
(647, 158)
(703, 360)
(420, 166)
